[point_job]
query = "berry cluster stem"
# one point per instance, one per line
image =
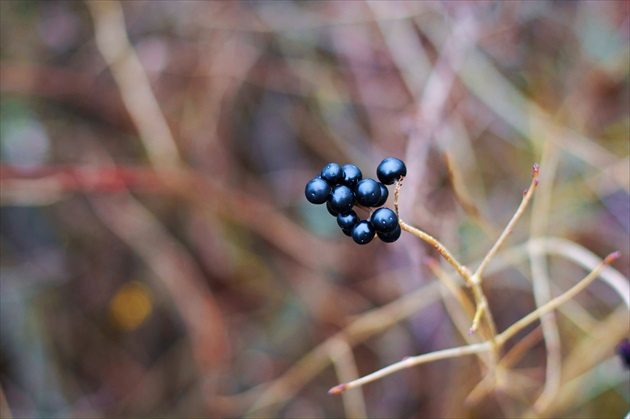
(461, 269)
(473, 281)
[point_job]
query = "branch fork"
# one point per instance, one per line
(493, 342)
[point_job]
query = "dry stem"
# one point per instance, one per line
(494, 341)
(527, 196)
(461, 269)
(484, 346)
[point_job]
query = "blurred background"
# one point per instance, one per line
(159, 259)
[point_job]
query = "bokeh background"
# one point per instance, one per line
(159, 259)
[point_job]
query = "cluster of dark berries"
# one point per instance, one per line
(341, 188)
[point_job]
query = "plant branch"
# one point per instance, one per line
(412, 361)
(461, 269)
(527, 196)
(484, 346)
(554, 303)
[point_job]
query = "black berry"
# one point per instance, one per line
(351, 175)
(347, 232)
(384, 195)
(390, 170)
(348, 220)
(390, 236)
(332, 173)
(623, 350)
(363, 232)
(384, 220)
(341, 199)
(367, 192)
(330, 210)
(317, 191)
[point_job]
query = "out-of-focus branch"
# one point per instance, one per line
(5, 412)
(366, 325)
(133, 83)
(541, 283)
(46, 184)
(345, 365)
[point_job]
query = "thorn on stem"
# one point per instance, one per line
(338, 389)
(535, 170)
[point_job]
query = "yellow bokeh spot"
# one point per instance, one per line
(131, 305)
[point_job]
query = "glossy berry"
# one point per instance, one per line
(390, 170)
(384, 195)
(363, 232)
(367, 192)
(348, 220)
(332, 173)
(351, 175)
(347, 232)
(317, 191)
(384, 220)
(341, 199)
(330, 210)
(623, 350)
(390, 236)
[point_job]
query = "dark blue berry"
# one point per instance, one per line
(330, 210)
(363, 232)
(384, 220)
(384, 195)
(341, 199)
(332, 173)
(390, 170)
(347, 232)
(390, 236)
(347, 220)
(367, 192)
(317, 191)
(351, 175)
(623, 350)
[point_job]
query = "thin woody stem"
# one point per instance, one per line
(480, 299)
(527, 196)
(484, 346)
(461, 269)
(554, 303)
(411, 362)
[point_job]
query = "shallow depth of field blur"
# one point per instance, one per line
(158, 257)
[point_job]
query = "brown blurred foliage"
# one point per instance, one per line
(158, 257)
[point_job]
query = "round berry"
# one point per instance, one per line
(623, 350)
(341, 199)
(367, 192)
(384, 195)
(363, 232)
(347, 220)
(390, 236)
(330, 210)
(384, 220)
(351, 175)
(347, 232)
(332, 173)
(390, 170)
(317, 191)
